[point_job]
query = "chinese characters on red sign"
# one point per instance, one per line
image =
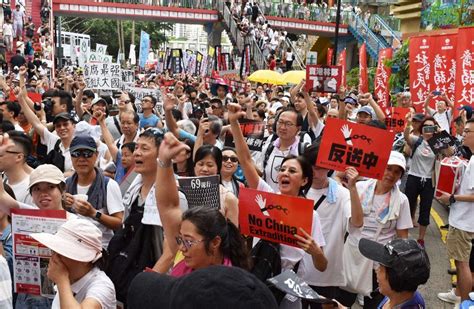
(382, 75)
(323, 78)
(363, 147)
(465, 67)
(395, 120)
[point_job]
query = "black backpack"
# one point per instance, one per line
(55, 156)
(301, 147)
(416, 145)
(131, 250)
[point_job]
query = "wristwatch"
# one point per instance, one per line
(452, 200)
(97, 216)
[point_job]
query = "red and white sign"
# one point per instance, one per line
(449, 175)
(465, 67)
(274, 217)
(363, 77)
(382, 76)
(329, 56)
(443, 78)
(323, 78)
(420, 69)
(342, 62)
(396, 119)
(363, 147)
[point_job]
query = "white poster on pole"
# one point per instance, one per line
(84, 50)
(103, 76)
(132, 56)
(101, 49)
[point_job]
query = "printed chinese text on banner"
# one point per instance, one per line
(420, 69)
(329, 56)
(274, 217)
(31, 257)
(144, 49)
(382, 76)
(323, 78)
(346, 144)
(363, 77)
(465, 67)
(341, 61)
(396, 119)
(253, 132)
(443, 77)
(201, 191)
(103, 76)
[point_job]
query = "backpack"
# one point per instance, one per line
(249, 10)
(55, 156)
(416, 145)
(301, 147)
(131, 250)
(266, 264)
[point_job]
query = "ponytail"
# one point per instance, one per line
(233, 246)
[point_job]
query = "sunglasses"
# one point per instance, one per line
(232, 159)
(187, 243)
(85, 153)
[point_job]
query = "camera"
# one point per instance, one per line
(429, 129)
(47, 106)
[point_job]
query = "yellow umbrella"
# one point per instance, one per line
(293, 77)
(267, 77)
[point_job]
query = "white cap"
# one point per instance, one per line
(396, 158)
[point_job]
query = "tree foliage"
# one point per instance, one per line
(352, 78)
(104, 31)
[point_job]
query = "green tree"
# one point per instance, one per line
(352, 78)
(400, 67)
(104, 31)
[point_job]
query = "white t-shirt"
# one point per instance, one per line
(461, 214)
(49, 139)
(151, 216)
(114, 205)
(292, 255)
(443, 119)
(21, 191)
(7, 29)
(334, 219)
(389, 229)
(95, 284)
(422, 162)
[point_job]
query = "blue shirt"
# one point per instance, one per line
(416, 302)
(150, 121)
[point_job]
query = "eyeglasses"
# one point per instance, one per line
(187, 243)
(232, 159)
(465, 131)
(287, 124)
(85, 153)
(146, 100)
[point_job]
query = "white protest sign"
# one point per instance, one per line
(101, 49)
(94, 57)
(132, 56)
(102, 75)
(107, 59)
(128, 78)
(84, 50)
(140, 93)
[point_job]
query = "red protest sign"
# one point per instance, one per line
(420, 69)
(342, 62)
(274, 217)
(382, 76)
(35, 97)
(395, 120)
(329, 56)
(465, 67)
(347, 144)
(253, 132)
(323, 78)
(363, 76)
(443, 78)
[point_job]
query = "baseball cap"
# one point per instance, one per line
(468, 110)
(77, 239)
(405, 256)
(63, 116)
(367, 110)
(83, 142)
(46, 173)
(350, 100)
(396, 158)
(418, 117)
(210, 287)
(98, 100)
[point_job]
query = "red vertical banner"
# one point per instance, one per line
(382, 76)
(420, 69)
(443, 77)
(342, 62)
(363, 77)
(465, 68)
(329, 56)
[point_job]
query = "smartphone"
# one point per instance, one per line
(436, 92)
(429, 129)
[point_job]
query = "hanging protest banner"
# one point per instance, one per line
(191, 66)
(443, 77)
(176, 61)
(84, 50)
(253, 132)
(311, 58)
(382, 76)
(396, 119)
(218, 58)
(441, 140)
(32, 258)
(274, 217)
(128, 78)
(102, 75)
(131, 55)
(199, 62)
(323, 78)
(226, 62)
(245, 63)
(363, 74)
(201, 191)
(160, 65)
(101, 49)
(420, 69)
(144, 48)
(347, 144)
(94, 57)
(341, 61)
(465, 68)
(329, 56)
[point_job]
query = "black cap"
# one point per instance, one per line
(405, 256)
(83, 142)
(210, 287)
(63, 116)
(418, 117)
(468, 110)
